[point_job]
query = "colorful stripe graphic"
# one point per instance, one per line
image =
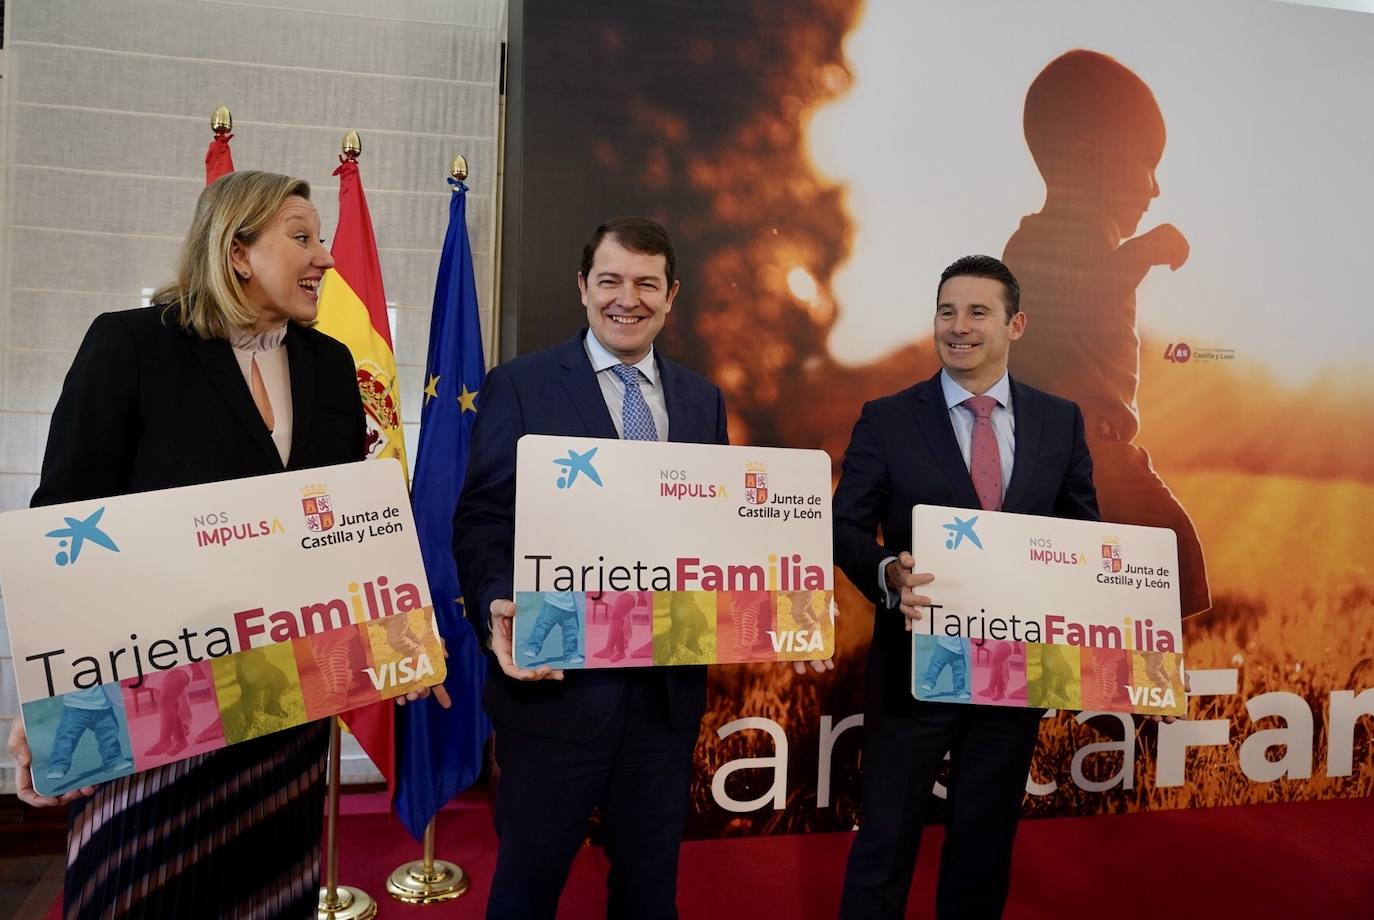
(100, 733)
(1006, 673)
(627, 629)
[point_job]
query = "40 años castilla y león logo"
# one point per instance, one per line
(318, 508)
(755, 483)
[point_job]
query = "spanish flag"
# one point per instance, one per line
(353, 310)
(219, 160)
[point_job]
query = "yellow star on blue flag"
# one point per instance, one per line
(468, 399)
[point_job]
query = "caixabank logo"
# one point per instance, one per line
(78, 532)
(960, 531)
(575, 468)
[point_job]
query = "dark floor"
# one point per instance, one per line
(29, 885)
(31, 844)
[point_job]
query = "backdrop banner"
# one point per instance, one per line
(1182, 190)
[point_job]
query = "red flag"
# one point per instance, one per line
(219, 161)
(353, 310)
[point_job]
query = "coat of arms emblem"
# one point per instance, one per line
(319, 510)
(1111, 555)
(755, 484)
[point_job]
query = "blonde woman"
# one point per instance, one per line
(221, 378)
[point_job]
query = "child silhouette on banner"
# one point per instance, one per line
(1097, 135)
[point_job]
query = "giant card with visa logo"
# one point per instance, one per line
(149, 628)
(1046, 612)
(640, 553)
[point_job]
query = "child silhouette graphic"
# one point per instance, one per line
(1097, 135)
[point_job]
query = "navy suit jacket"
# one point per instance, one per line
(902, 453)
(556, 392)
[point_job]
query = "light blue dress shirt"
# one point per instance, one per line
(613, 389)
(1003, 427)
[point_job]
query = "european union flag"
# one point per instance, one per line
(440, 751)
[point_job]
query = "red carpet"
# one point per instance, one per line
(1290, 861)
(1284, 861)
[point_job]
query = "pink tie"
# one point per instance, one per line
(985, 462)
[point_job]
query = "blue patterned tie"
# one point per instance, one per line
(635, 417)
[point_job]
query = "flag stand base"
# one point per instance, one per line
(413, 885)
(348, 904)
(427, 880)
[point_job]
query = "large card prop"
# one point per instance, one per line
(1045, 612)
(149, 628)
(636, 553)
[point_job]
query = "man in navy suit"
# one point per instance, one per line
(621, 739)
(914, 447)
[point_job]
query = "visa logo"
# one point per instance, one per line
(1155, 697)
(797, 640)
(394, 673)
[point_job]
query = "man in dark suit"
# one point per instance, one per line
(566, 743)
(968, 437)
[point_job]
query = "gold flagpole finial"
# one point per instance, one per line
(221, 122)
(459, 168)
(352, 145)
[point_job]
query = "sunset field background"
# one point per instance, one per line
(815, 173)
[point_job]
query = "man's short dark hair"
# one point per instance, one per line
(986, 267)
(637, 234)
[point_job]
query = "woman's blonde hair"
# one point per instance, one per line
(207, 297)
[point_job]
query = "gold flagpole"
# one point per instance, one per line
(338, 902)
(431, 880)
